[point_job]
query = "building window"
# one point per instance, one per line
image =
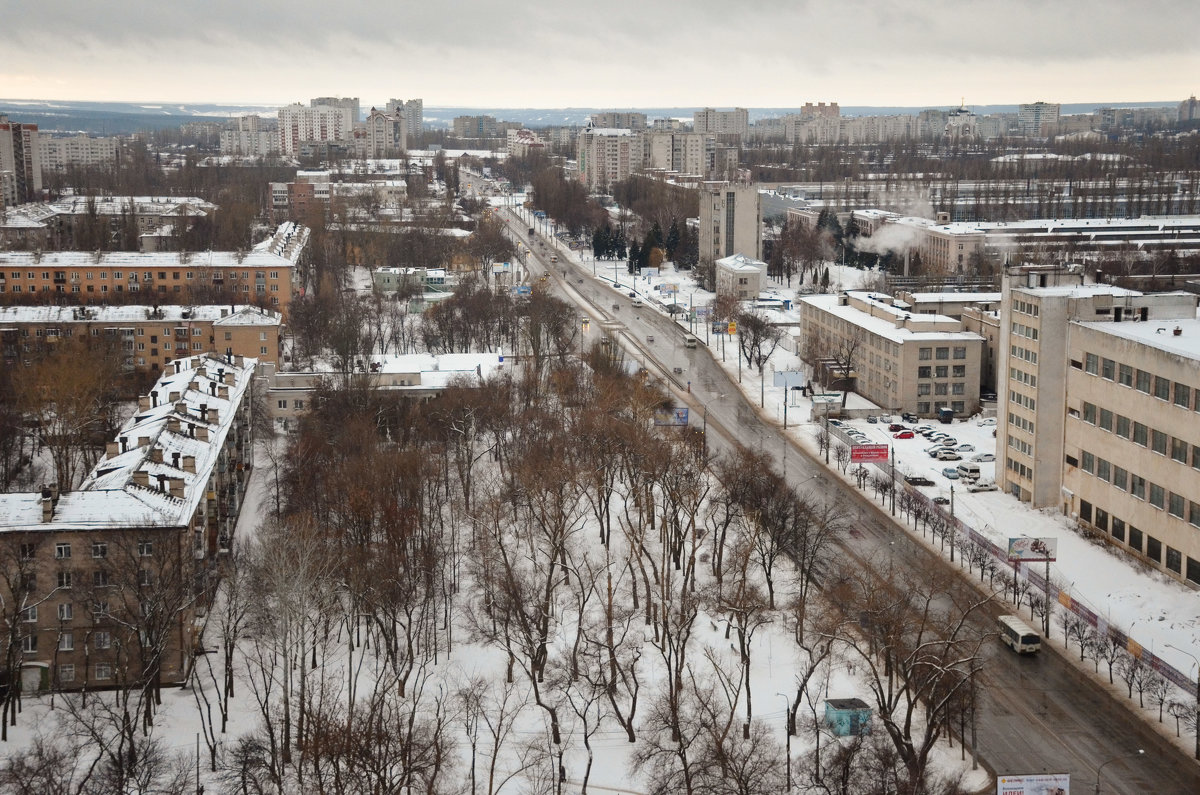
(1135, 538)
(62, 551)
(64, 579)
(943, 353)
(1158, 442)
(1174, 559)
(1103, 469)
(1125, 375)
(100, 578)
(960, 371)
(1091, 363)
(29, 614)
(1194, 513)
(960, 352)
(102, 640)
(99, 549)
(1122, 426)
(1175, 505)
(1162, 388)
(103, 671)
(1179, 450)
(1089, 462)
(66, 672)
(925, 354)
(1106, 419)
(1120, 478)
(1101, 519)
(922, 389)
(27, 551)
(1118, 529)
(29, 644)
(1141, 434)
(1157, 496)
(66, 611)
(66, 641)
(1137, 486)
(1089, 413)
(958, 389)
(1108, 369)
(145, 549)
(1143, 381)
(924, 372)
(941, 371)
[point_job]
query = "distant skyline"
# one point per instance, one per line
(619, 54)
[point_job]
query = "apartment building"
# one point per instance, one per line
(350, 104)
(103, 583)
(79, 151)
(619, 120)
(387, 134)
(413, 111)
(20, 157)
(482, 127)
(149, 337)
(733, 123)
(607, 156)
(1039, 313)
(260, 277)
(250, 136)
(301, 127)
(901, 362)
(1038, 119)
(522, 143)
(730, 220)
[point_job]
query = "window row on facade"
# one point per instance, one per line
(1139, 541)
(1164, 389)
(1140, 434)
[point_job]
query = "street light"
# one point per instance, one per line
(1139, 753)
(790, 729)
(1188, 653)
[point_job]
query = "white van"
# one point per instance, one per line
(689, 341)
(968, 470)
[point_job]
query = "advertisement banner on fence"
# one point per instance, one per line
(671, 416)
(1035, 784)
(1032, 550)
(869, 452)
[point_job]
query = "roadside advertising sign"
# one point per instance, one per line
(869, 452)
(733, 327)
(1034, 784)
(1032, 550)
(676, 416)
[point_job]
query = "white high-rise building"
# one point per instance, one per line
(78, 150)
(249, 136)
(413, 111)
(20, 156)
(387, 133)
(1038, 119)
(722, 122)
(323, 123)
(607, 156)
(730, 221)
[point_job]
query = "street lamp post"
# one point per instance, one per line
(1140, 752)
(790, 729)
(1197, 661)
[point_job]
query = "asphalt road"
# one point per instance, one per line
(1037, 714)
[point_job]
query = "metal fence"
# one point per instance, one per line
(1030, 574)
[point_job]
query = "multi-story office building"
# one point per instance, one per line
(148, 337)
(1131, 465)
(607, 156)
(734, 122)
(20, 157)
(1189, 109)
(618, 120)
(103, 583)
(319, 124)
(81, 151)
(1040, 312)
(730, 221)
(900, 361)
(1038, 119)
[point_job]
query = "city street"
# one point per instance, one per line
(1038, 714)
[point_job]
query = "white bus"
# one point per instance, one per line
(1018, 635)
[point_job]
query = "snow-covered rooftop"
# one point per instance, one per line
(886, 326)
(258, 259)
(131, 313)
(1158, 334)
(160, 468)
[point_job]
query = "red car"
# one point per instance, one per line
(895, 426)
(903, 435)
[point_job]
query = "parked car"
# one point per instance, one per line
(965, 448)
(984, 457)
(917, 480)
(873, 419)
(948, 455)
(836, 423)
(908, 417)
(949, 441)
(986, 421)
(987, 395)
(903, 435)
(983, 484)
(895, 426)
(923, 428)
(939, 500)
(950, 473)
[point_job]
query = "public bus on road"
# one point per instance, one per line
(1018, 636)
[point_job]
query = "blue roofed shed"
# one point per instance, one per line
(846, 717)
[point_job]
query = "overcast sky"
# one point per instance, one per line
(602, 53)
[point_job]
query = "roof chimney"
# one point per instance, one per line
(176, 487)
(162, 483)
(143, 441)
(189, 463)
(156, 454)
(112, 449)
(144, 403)
(141, 478)
(175, 460)
(154, 398)
(47, 507)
